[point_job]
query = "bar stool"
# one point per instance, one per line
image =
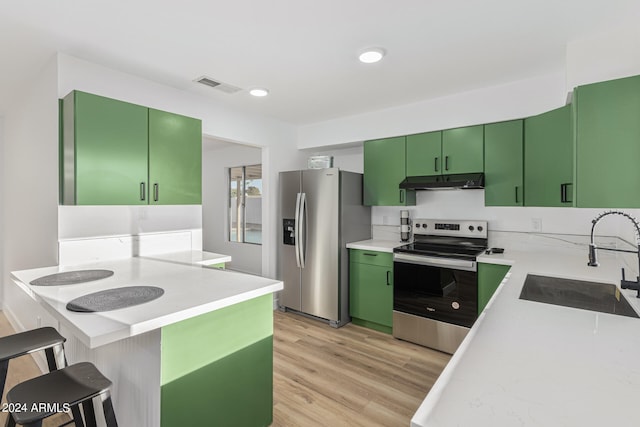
(16, 345)
(69, 387)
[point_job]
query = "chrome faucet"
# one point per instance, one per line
(593, 256)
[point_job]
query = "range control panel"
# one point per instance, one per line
(446, 227)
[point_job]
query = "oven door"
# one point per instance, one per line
(436, 288)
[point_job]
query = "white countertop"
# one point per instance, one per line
(377, 245)
(532, 364)
(192, 257)
(189, 290)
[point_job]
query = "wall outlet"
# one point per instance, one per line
(536, 224)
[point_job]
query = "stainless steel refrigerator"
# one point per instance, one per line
(321, 211)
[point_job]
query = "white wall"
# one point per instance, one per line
(218, 121)
(75, 222)
(347, 158)
(2, 209)
(509, 101)
(215, 164)
(30, 177)
(604, 56)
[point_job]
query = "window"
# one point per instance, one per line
(245, 204)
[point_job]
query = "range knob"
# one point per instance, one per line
(479, 228)
(471, 228)
(417, 224)
(424, 225)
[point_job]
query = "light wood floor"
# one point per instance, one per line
(351, 376)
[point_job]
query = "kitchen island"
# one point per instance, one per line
(527, 363)
(201, 354)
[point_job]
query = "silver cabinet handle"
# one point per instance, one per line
(155, 192)
(143, 192)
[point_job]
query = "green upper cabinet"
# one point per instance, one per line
(117, 153)
(384, 170)
(463, 150)
(105, 151)
(608, 144)
(503, 164)
(548, 158)
(175, 159)
(424, 154)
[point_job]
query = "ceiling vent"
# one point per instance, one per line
(222, 87)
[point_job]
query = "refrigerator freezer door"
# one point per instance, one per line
(320, 245)
(289, 193)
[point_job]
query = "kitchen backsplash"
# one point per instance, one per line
(469, 204)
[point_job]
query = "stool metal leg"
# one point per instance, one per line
(109, 413)
(89, 413)
(55, 357)
(61, 358)
(4, 367)
(10, 421)
(77, 416)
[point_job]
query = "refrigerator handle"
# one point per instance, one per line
(296, 230)
(303, 227)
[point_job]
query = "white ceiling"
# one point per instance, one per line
(304, 51)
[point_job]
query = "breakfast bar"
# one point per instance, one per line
(201, 352)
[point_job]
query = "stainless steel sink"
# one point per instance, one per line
(601, 297)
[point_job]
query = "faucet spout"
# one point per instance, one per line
(593, 249)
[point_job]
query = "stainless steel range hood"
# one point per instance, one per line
(464, 181)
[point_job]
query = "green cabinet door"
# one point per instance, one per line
(384, 170)
(371, 291)
(108, 139)
(424, 154)
(489, 278)
(462, 149)
(548, 158)
(608, 144)
(503, 164)
(175, 159)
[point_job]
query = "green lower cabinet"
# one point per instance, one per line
(371, 290)
(489, 278)
(219, 266)
(217, 368)
(503, 164)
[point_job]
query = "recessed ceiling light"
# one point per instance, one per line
(369, 56)
(259, 92)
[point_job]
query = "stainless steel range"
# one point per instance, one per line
(435, 294)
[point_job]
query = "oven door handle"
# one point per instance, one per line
(454, 264)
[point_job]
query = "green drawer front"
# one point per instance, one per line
(383, 259)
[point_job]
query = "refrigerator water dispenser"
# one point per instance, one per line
(288, 231)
